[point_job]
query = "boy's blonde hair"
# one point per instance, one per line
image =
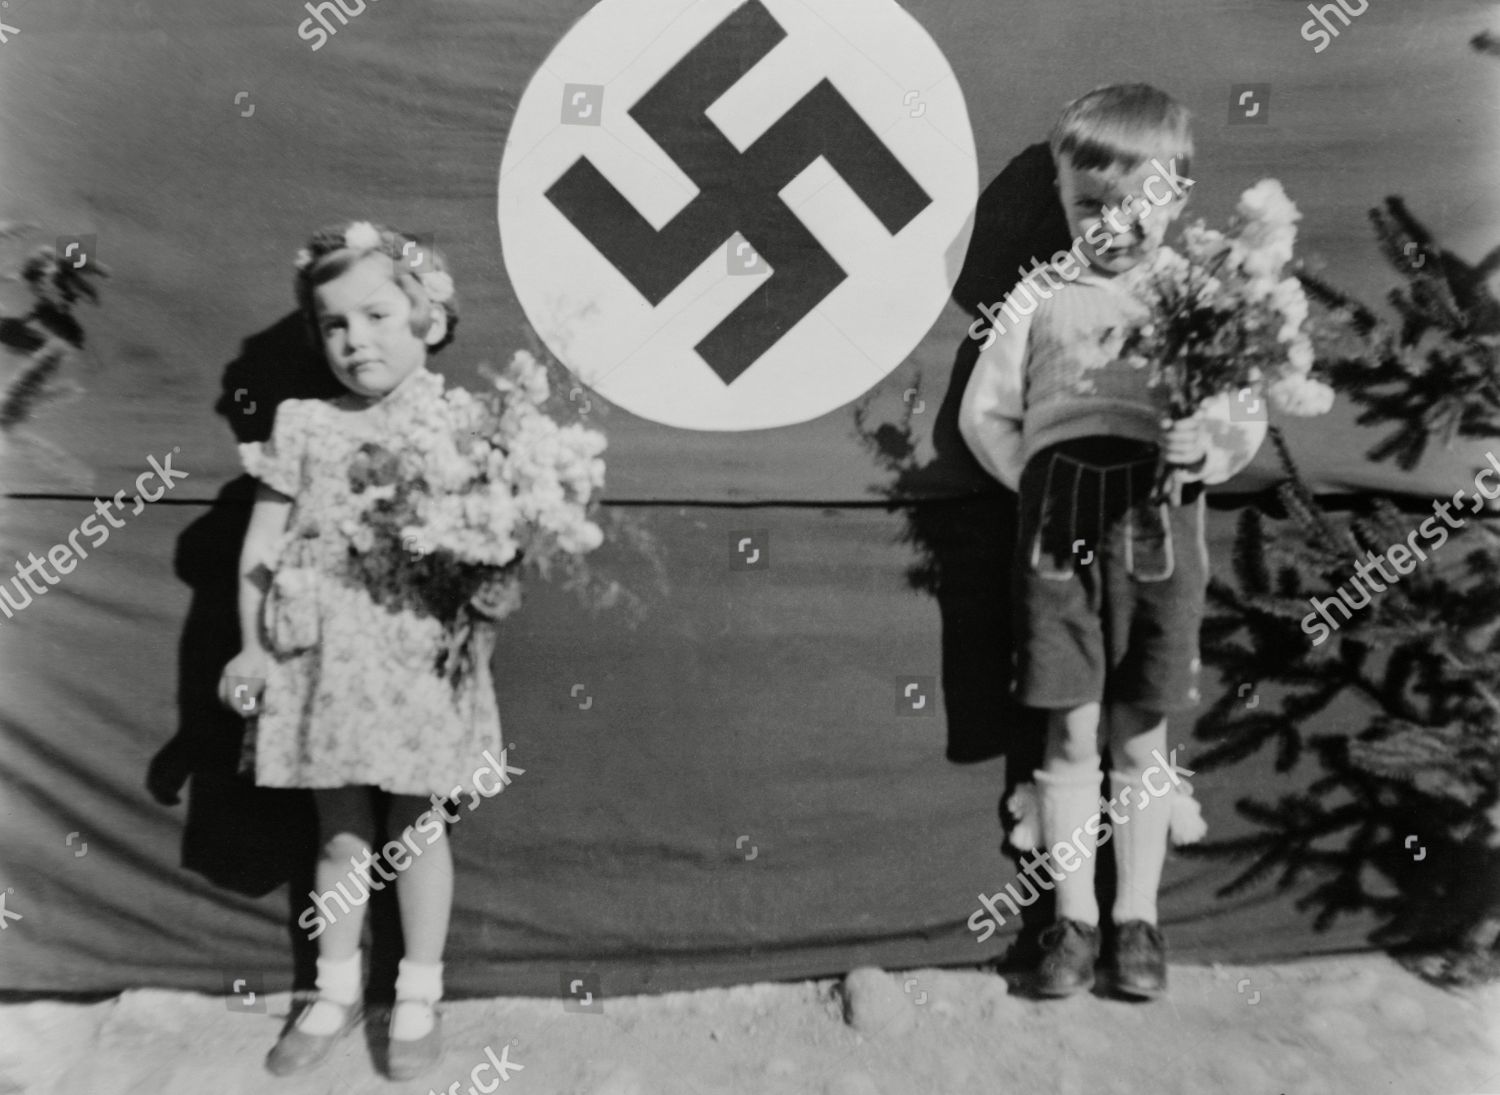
(1125, 124)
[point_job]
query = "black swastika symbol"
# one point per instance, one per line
(738, 191)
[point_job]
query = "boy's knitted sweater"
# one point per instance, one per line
(1051, 375)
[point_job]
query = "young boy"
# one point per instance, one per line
(1109, 589)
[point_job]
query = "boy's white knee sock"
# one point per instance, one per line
(1140, 846)
(338, 981)
(1069, 800)
(416, 982)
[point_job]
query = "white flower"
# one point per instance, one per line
(438, 285)
(1266, 202)
(1268, 232)
(1202, 244)
(361, 236)
(1301, 396)
(1299, 355)
(582, 539)
(1289, 299)
(529, 376)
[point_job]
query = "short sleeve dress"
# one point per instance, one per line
(353, 695)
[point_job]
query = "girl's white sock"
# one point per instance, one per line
(1069, 800)
(1140, 847)
(419, 985)
(339, 981)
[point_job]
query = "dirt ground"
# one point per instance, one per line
(1324, 1027)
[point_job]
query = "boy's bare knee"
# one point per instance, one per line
(1128, 721)
(1134, 732)
(1073, 734)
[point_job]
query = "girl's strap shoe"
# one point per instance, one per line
(298, 1051)
(410, 1057)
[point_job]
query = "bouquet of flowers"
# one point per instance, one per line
(474, 489)
(1223, 316)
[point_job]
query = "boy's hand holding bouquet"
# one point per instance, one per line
(1224, 318)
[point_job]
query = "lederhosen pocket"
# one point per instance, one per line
(1083, 501)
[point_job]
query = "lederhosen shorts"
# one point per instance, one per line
(1109, 587)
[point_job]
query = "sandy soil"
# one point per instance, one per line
(1354, 1025)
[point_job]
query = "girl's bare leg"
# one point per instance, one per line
(424, 892)
(346, 829)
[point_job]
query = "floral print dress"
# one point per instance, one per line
(352, 695)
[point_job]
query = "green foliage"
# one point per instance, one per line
(1403, 822)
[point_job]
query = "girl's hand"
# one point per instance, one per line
(243, 682)
(1184, 442)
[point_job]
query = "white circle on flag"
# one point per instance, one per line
(840, 147)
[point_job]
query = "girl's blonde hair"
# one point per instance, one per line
(1126, 124)
(332, 250)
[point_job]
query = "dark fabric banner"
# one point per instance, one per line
(729, 791)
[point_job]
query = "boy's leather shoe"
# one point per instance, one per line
(298, 1051)
(1069, 950)
(1140, 966)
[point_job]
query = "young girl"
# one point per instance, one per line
(340, 670)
